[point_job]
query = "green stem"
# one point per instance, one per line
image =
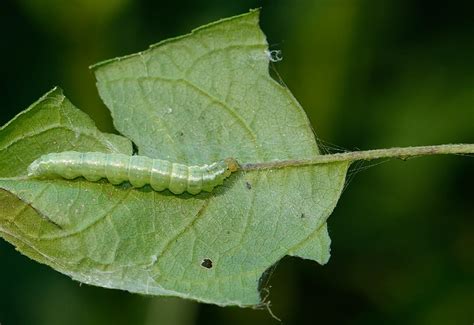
(401, 153)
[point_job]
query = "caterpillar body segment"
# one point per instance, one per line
(138, 170)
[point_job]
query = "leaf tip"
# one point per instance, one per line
(253, 16)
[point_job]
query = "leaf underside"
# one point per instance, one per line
(193, 99)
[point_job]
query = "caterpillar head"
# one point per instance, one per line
(232, 164)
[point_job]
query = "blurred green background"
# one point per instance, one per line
(369, 74)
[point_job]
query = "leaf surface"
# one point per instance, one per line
(193, 99)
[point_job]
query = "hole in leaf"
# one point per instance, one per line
(207, 263)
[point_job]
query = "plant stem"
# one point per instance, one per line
(401, 153)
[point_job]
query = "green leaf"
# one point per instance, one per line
(193, 99)
(52, 124)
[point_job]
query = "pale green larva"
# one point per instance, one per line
(138, 170)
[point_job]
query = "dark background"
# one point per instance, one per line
(369, 73)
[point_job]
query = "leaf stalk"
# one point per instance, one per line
(397, 152)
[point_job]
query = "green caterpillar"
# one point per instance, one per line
(138, 170)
